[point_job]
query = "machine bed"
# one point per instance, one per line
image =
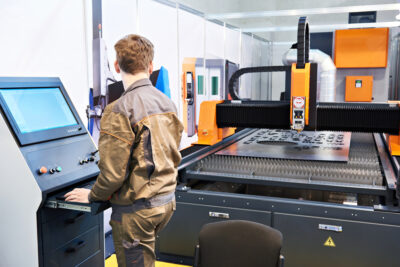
(363, 172)
(301, 198)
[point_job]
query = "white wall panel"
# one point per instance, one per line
(119, 19)
(215, 46)
(246, 61)
(278, 78)
(158, 23)
(256, 77)
(191, 35)
(232, 45)
(46, 39)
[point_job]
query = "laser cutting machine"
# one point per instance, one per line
(46, 151)
(324, 174)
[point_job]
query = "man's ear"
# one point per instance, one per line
(116, 66)
(151, 67)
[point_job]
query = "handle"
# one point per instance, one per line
(189, 93)
(77, 247)
(218, 215)
(78, 217)
(333, 228)
(303, 43)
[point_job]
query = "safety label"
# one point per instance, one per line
(298, 102)
(329, 242)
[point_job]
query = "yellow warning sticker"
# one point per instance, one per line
(329, 242)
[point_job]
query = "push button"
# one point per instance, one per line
(51, 171)
(42, 170)
(81, 162)
(58, 169)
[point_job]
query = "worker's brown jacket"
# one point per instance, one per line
(138, 146)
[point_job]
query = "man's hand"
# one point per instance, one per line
(78, 195)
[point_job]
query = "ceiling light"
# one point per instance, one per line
(327, 27)
(303, 12)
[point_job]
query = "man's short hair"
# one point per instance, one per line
(134, 53)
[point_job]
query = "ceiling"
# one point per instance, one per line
(212, 7)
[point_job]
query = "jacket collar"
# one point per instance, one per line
(138, 83)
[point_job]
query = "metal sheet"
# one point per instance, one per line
(287, 144)
(362, 168)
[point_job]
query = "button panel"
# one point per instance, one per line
(64, 153)
(56, 169)
(86, 160)
(50, 170)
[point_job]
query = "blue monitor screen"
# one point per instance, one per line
(38, 109)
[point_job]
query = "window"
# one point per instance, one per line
(200, 85)
(214, 85)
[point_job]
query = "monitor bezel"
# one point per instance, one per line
(43, 135)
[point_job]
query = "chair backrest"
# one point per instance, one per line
(239, 243)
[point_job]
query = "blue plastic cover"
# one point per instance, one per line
(163, 82)
(91, 106)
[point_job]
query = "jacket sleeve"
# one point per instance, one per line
(115, 143)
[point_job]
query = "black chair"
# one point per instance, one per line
(238, 243)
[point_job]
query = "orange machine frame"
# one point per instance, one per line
(189, 65)
(394, 144)
(208, 131)
(394, 140)
(300, 87)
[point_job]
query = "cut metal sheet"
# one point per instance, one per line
(287, 144)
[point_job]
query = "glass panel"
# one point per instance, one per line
(38, 109)
(214, 85)
(200, 84)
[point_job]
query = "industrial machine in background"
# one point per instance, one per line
(202, 80)
(46, 152)
(325, 174)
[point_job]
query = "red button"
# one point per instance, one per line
(43, 170)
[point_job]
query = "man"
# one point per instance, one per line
(139, 139)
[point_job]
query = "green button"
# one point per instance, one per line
(58, 169)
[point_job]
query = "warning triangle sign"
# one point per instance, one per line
(329, 242)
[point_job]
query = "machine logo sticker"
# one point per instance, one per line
(73, 130)
(298, 102)
(329, 242)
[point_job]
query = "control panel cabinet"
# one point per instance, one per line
(70, 238)
(54, 154)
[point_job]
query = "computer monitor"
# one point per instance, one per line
(38, 109)
(39, 113)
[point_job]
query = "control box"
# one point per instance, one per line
(359, 88)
